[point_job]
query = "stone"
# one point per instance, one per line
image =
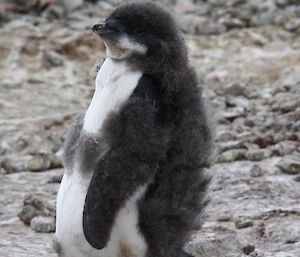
(215, 242)
(257, 155)
(43, 224)
(225, 135)
(256, 171)
(34, 206)
(194, 24)
(293, 25)
(38, 163)
(230, 115)
(27, 213)
(52, 59)
(284, 106)
(55, 160)
(232, 23)
(224, 218)
(229, 145)
(247, 249)
(290, 164)
(283, 148)
(232, 155)
(76, 44)
(265, 141)
(237, 89)
(54, 12)
(55, 179)
(71, 5)
(14, 163)
(291, 241)
(243, 223)
(297, 178)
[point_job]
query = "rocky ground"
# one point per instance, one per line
(247, 56)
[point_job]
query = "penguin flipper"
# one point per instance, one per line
(130, 164)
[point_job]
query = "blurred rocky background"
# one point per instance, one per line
(247, 56)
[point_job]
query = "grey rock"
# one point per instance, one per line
(224, 217)
(232, 155)
(43, 224)
(297, 178)
(215, 242)
(237, 89)
(54, 12)
(243, 223)
(52, 59)
(232, 23)
(225, 135)
(14, 163)
(55, 160)
(230, 115)
(27, 213)
(256, 171)
(71, 5)
(290, 164)
(194, 24)
(248, 249)
(229, 145)
(257, 155)
(283, 148)
(293, 25)
(55, 179)
(38, 163)
(34, 206)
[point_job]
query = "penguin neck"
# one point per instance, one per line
(115, 82)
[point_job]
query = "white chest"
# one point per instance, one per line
(115, 82)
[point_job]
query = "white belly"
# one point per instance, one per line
(69, 229)
(114, 84)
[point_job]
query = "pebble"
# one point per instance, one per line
(224, 218)
(56, 161)
(231, 114)
(38, 163)
(243, 223)
(27, 213)
(257, 155)
(247, 249)
(229, 145)
(237, 89)
(215, 242)
(256, 171)
(225, 136)
(34, 206)
(283, 148)
(43, 224)
(290, 164)
(297, 179)
(14, 163)
(55, 179)
(232, 155)
(52, 59)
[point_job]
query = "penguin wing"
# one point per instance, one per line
(130, 164)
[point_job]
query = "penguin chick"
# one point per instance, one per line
(135, 181)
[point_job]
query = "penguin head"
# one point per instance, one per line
(137, 31)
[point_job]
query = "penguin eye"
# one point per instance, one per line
(139, 31)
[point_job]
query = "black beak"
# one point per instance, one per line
(98, 27)
(107, 28)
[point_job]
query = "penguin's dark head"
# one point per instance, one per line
(137, 31)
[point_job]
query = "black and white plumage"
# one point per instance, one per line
(134, 182)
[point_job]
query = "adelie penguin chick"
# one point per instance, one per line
(135, 182)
